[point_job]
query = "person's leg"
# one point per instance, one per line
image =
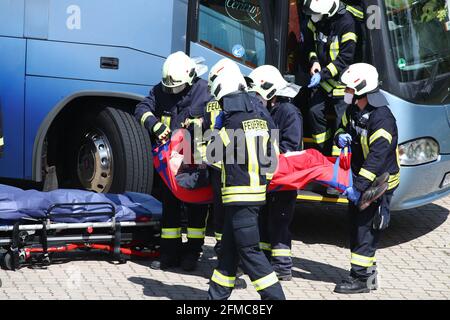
(263, 224)
(321, 134)
(224, 276)
(170, 246)
(280, 218)
(218, 209)
(197, 215)
(254, 263)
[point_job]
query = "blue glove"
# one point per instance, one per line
(219, 121)
(315, 80)
(344, 140)
(352, 194)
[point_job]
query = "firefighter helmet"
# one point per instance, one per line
(268, 82)
(224, 64)
(319, 8)
(179, 71)
(228, 81)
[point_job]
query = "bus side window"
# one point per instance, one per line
(233, 28)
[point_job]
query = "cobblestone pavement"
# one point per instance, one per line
(414, 261)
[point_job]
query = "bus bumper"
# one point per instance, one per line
(422, 184)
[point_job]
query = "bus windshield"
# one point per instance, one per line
(420, 37)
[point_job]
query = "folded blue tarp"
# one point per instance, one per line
(17, 204)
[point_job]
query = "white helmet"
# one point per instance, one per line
(227, 82)
(268, 82)
(178, 71)
(319, 8)
(363, 78)
(222, 65)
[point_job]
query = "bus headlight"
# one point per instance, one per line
(418, 151)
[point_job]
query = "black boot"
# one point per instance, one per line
(165, 262)
(352, 285)
(189, 261)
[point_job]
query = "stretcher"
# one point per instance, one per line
(34, 226)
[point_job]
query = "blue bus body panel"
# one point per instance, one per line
(420, 184)
(79, 61)
(11, 17)
(144, 25)
(36, 19)
(12, 73)
(43, 94)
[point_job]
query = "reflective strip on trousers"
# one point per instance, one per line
(196, 233)
(380, 133)
(281, 253)
(265, 246)
(265, 282)
(223, 280)
(362, 261)
(321, 137)
(367, 174)
(243, 190)
(170, 233)
(145, 116)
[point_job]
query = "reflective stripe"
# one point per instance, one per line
(224, 136)
(364, 146)
(218, 165)
(312, 55)
(394, 181)
(170, 233)
(166, 120)
(223, 280)
(339, 131)
(2, 141)
(145, 116)
(380, 133)
(214, 115)
(311, 26)
(218, 236)
(362, 261)
(265, 246)
(281, 253)
(367, 174)
(333, 69)
(265, 282)
(349, 36)
(196, 233)
(338, 92)
(334, 49)
(269, 176)
(344, 120)
(326, 86)
(243, 190)
(336, 152)
(357, 13)
(321, 137)
(244, 198)
(253, 165)
(336, 84)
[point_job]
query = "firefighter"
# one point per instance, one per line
(276, 93)
(180, 96)
(244, 136)
(370, 127)
(330, 43)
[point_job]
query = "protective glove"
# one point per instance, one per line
(344, 140)
(192, 121)
(161, 131)
(219, 121)
(352, 194)
(381, 218)
(315, 80)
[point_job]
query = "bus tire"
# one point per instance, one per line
(114, 153)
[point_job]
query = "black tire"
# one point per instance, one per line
(129, 144)
(132, 152)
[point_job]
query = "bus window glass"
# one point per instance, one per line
(233, 28)
(420, 37)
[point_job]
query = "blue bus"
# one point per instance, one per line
(72, 71)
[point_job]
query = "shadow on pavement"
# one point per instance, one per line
(327, 224)
(317, 271)
(156, 288)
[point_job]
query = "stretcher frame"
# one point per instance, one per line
(33, 241)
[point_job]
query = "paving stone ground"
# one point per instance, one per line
(413, 263)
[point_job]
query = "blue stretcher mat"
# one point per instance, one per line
(17, 204)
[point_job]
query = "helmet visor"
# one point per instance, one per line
(173, 90)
